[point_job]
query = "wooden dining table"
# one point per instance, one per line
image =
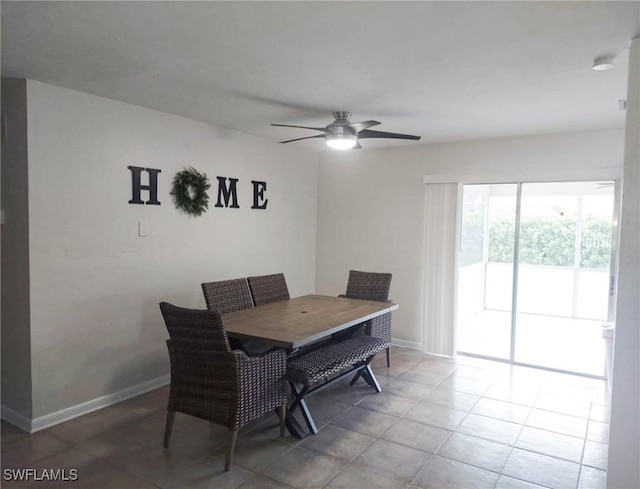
(299, 322)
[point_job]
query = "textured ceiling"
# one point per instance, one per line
(442, 70)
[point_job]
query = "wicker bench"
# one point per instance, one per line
(313, 371)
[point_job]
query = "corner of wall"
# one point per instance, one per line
(15, 313)
(623, 469)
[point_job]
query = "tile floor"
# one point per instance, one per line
(440, 423)
(488, 333)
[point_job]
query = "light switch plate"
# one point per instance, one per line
(142, 229)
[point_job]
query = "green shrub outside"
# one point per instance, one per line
(545, 240)
(596, 243)
(551, 241)
(471, 236)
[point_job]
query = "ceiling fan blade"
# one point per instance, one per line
(360, 126)
(300, 139)
(388, 135)
(323, 129)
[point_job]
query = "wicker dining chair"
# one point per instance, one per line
(212, 382)
(374, 287)
(268, 288)
(227, 295)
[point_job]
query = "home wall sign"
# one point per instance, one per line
(189, 190)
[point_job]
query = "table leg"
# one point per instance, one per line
(299, 394)
(306, 414)
(363, 369)
(294, 427)
(356, 377)
(370, 378)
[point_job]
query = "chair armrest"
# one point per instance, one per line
(261, 382)
(203, 382)
(271, 365)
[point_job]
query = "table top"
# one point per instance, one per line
(297, 322)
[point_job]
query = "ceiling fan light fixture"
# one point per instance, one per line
(341, 141)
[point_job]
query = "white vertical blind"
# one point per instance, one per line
(441, 201)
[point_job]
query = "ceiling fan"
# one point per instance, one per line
(344, 134)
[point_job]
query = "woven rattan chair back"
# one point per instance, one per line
(268, 288)
(368, 285)
(227, 295)
(373, 287)
(198, 325)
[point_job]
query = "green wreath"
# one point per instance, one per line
(189, 190)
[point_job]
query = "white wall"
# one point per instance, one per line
(371, 204)
(95, 285)
(624, 439)
(16, 365)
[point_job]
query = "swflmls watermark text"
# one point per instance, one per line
(40, 474)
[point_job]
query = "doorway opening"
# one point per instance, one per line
(535, 273)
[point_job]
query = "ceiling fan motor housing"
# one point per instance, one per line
(341, 116)
(341, 125)
(341, 130)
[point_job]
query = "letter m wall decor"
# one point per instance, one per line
(226, 194)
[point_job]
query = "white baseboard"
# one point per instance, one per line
(15, 418)
(414, 345)
(48, 420)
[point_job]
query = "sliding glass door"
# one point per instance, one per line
(534, 269)
(484, 300)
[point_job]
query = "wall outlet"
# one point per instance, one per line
(142, 229)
